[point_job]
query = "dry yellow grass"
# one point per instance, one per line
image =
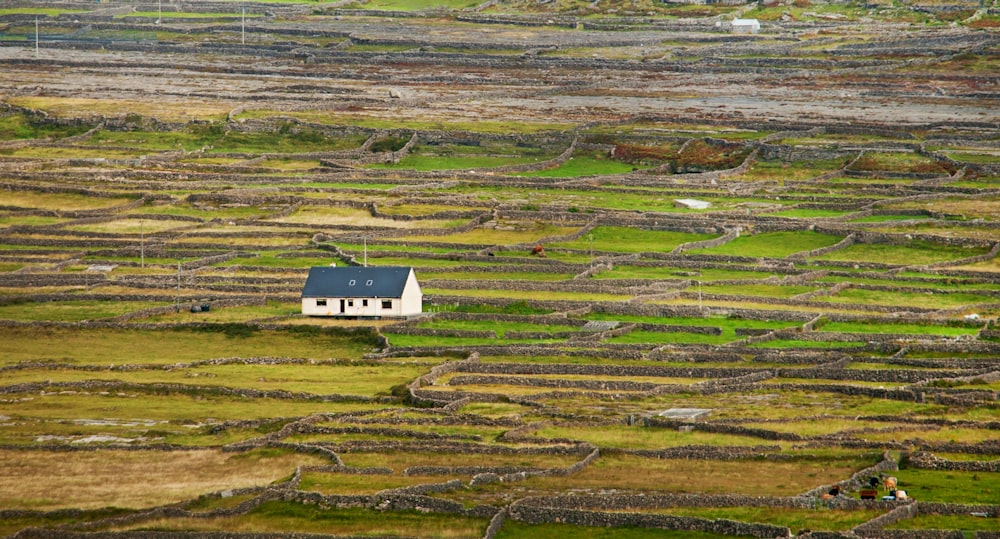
(314, 215)
(59, 201)
(45, 480)
(162, 109)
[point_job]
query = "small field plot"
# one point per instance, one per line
(948, 486)
(103, 346)
(293, 517)
(924, 300)
(131, 226)
(819, 519)
(115, 478)
(162, 109)
(333, 216)
(589, 164)
(945, 229)
(60, 201)
(913, 253)
(499, 327)
(629, 240)
(399, 462)
(73, 311)
(351, 380)
(628, 473)
(521, 233)
(982, 207)
(134, 416)
(967, 524)
(513, 529)
(624, 437)
(785, 171)
(889, 162)
(667, 273)
(772, 244)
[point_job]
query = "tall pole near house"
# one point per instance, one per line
(142, 244)
(178, 285)
(366, 251)
(36, 37)
(243, 25)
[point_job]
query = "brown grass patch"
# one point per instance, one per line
(134, 479)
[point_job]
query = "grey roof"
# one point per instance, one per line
(356, 282)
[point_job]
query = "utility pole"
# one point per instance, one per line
(178, 285)
(159, 11)
(590, 238)
(366, 251)
(36, 37)
(700, 308)
(142, 244)
(243, 25)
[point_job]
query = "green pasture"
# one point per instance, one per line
(946, 486)
(629, 240)
(925, 300)
(757, 290)
(771, 244)
(726, 324)
(487, 236)
(967, 524)
(21, 126)
(913, 253)
(424, 163)
(890, 328)
(500, 275)
(354, 380)
(662, 273)
(625, 437)
(807, 213)
(662, 337)
(583, 165)
(106, 346)
(73, 311)
(501, 328)
(527, 295)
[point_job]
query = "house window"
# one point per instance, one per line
(350, 303)
(321, 303)
(369, 283)
(386, 303)
(364, 303)
(351, 283)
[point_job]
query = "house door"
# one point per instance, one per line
(342, 306)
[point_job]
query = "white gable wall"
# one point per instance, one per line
(413, 299)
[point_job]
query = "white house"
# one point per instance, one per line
(746, 26)
(356, 291)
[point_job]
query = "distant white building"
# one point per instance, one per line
(356, 291)
(746, 26)
(692, 204)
